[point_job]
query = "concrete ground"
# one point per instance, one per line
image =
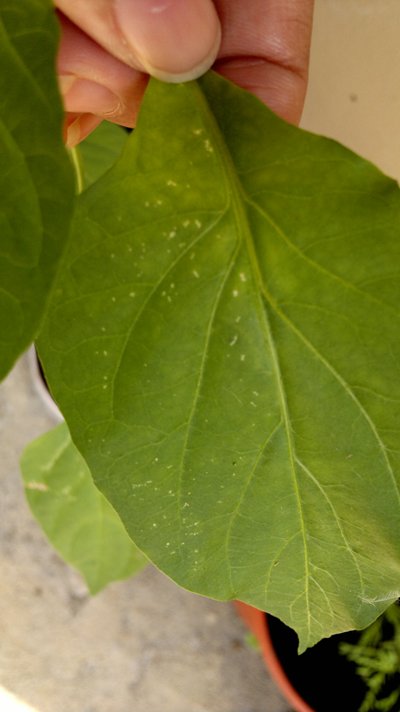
(140, 645)
(145, 644)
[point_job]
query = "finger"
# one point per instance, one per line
(174, 40)
(265, 49)
(93, 82)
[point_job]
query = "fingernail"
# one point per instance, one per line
(73, 133)
(174, 40)
(65, 82)
(85, 96)
(76, 128)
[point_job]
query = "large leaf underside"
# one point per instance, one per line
(36, 180)
(224, 344)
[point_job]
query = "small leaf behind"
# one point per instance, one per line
(100, 150)
(74, 515)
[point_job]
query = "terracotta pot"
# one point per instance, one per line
(319, 680)
(257, 622)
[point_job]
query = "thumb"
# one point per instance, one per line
(174, 40)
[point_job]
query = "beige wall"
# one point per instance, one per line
(354, 90)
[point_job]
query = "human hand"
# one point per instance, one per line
(109, 47)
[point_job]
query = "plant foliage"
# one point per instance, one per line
(377, 658)
(78, 520)
(36, 180)
(223, 341)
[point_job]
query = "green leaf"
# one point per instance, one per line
(36, 182)
(74, 515)
(99, 151)
(224, 344)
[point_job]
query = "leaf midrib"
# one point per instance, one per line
(238, 200)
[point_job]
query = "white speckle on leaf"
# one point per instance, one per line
(195, 273)
(159, 202)
(103, 328)
(235, 293)
(154, 524)
(132, 294)
(105, 353)
(172, 234)
(39, 486)
(113, 299)
(186, 505)
(171, 183)
(234, 340)
(242, 357)
(256, 393)
(198, 223)
(147, 204)
(243, 277)
(198, 132)
(253, 404)
(207, 146)
(186, 223)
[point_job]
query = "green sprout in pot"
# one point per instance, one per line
(377, 658)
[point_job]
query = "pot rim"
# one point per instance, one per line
(256, 620)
